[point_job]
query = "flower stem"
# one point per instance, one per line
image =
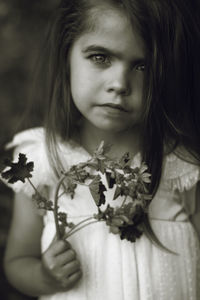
(55, 210)
(73, 231)
(61, 194)
(81, 222)
(36, 191)
(124, 201)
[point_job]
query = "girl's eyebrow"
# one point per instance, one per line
(96, 48)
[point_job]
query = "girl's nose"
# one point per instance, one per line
(119, 84)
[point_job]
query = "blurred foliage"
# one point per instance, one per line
(22, 29)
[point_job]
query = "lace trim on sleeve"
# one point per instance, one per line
(179, 174)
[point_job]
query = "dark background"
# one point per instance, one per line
(22, 30)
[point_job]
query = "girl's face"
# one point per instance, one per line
(107, 73)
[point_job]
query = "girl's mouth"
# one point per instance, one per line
(116, 107)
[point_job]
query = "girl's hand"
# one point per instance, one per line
(61, 265)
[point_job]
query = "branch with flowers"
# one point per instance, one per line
(130, 184)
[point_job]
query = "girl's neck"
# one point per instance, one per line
(127, 141)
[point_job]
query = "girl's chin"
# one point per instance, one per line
(113, 129)
(117, 125)
(107, 126)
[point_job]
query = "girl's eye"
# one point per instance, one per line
(141, 67)
(100, 59)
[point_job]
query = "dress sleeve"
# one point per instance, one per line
(183, 177)
(31, 143)
(179, 174)
(195, 217)
(191, 202)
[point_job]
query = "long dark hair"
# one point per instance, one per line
(171, 32)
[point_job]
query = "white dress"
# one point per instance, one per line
(120, 270)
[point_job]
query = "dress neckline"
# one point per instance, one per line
(72, 145)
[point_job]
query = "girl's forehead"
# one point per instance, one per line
(112, 29)
(103, 17)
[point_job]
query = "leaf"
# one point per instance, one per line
(119, 178)
(118, 192)
(101, 166)
(146, 177)
(147, 197)
(70, 187)
(143, 168)
(102, 149)
(127, 169)
(110, 180)
(99, 150)
(18, 171)
(124, 159)
(107, 148)
(93, 164)
(97, 189)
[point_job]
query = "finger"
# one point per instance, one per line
(75, 276)
(71, 280)
(59, 246)
(65, 257)
(56, 239)
(71, 268)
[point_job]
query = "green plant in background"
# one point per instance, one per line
(129, 184)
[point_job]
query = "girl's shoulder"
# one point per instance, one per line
(180, 170)
(32, 143)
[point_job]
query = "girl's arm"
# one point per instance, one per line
(26, 269)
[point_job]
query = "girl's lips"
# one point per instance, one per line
(113, 111)
(114, 107)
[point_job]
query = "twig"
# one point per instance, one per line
(78, 224)
(124, 201)
(55, 211)
(36, 191)
(72, 232)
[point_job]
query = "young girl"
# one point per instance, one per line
(126, 72)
